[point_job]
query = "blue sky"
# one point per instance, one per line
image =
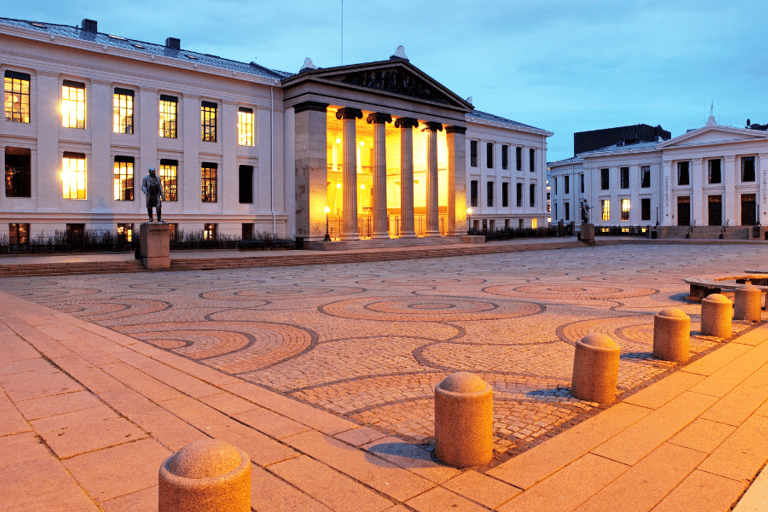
(563, 65)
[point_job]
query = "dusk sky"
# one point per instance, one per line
(563, 66)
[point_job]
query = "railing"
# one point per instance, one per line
(365, 225)
(690, 229)
(722, 230)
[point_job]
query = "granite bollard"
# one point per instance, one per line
(206, 476)
(671, 335)
(595, 369)
(716, 316)
(747, 303)
(464, 420)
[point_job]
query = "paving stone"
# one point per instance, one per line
(703, 435)
(55, 405)
(359, 436)
(19, 448)
(46, 383)
(659, 393)
(139, 501)
(439, 500)
(91, 436)
(270, 423)
(73, 419)
(11, 420)
(482, 489)
(743, 453)
(22, 489)
(269, 492)
(413, 458)
(702, 492)
(735, 407)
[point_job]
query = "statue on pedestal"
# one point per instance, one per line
(585, 211)
(152, 186)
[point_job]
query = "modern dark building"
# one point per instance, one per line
(596, 139)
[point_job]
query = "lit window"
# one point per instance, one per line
(122, 104)
(123, 179)
(16, 97)
(534, 223)
(245, 126)
(208, 118)
(72, 104)
(209, 232)
(169, 107)
(18, 234)
(125, 232)
(18, 172)
(208, 182)
(168, 172)
(625, 209)
(73, 175)
(605, 209)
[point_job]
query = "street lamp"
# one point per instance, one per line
(469, 220)
(327, 236)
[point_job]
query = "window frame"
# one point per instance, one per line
(209, 113)
(519, 158)
(532, 159)
(744, 160)
(80, 193)
(504, 157)
(18, 180)
(605, 210)
(473, 193)
(209, 182)
(519, 192)
(624, 175)
(170, 180)
(532, 195)
(684, 166)
(71, 117)
(123, 178)
(625, 209)
(489, 187)
(473, 153)
(245, 192)
(505, 194)
(20, 110)
(714, 172)
(168, 109)
(605, 179)
(123, 109)
(489, 155)
(645, 172)
(246, 123)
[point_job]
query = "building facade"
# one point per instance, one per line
(372, 150)
(712, 176)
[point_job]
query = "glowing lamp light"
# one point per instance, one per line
(338, 185)
(362, 187)
(469, 211)
(362, 143)
(338, 141)
(327, 209)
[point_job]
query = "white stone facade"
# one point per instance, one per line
(53, 59)
(684, 187)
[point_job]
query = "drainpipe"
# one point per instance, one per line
(272, 157)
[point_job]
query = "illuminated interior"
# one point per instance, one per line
(245, 127)
(168, 169)
(123, 112)
(73, 176)
(16, 99)
(168, 115)
(123, 180)
(364, 157)
(72, 105)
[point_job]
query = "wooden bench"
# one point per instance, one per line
(700, 287)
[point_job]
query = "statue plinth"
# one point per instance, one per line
(155, 245)
(588, 233)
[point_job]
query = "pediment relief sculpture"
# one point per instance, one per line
(395, 81)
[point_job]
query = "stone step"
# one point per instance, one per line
(75, 268)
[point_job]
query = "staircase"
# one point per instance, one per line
(74, 268)
(705, 232)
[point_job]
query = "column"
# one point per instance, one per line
(380, 219)
(349, 172)
(729, 180)
(433, 219)
(406, 125)
(761, 174)
(698, 206)
(457, 181)
(666, 209)
(311, 170)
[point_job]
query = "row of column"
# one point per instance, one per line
(379, 210)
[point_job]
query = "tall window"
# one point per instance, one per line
(645, 176)
(208, 112)
(532, 159)
(519, 195)
(505, 194)
(473, 193)
(169, 109)
(581, 177)
(16, 97)
(168, 172)
(473, 153)
(209, 231)
(714, 171)
(605, 209)
(122, 104)
(72, 104)
(18, 172)
(208, 175)
(125, 232)
(682, 173)
(555, 183)
(246, 184)
(567, 185)
(555, 211)
(123, 178)
(747, 168)
(504, 157)
(489, 155)
(532, 194)
(18, 234)
(605, 179)
(645, 208)
(567, 210)
(519, 158)
(625, 209)
(245, 122)
(624, 177)
(73, 175)
(489, 195)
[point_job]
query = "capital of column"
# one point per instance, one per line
(433, 126)
(349, 113)
(456, 129)
(314, 106)
(378, 118)
(406, 122)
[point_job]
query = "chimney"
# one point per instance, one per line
(173, 43)
(89, 26)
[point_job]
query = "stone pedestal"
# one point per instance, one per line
(671, 335)
(747, 303)
(155, 246)
(464, 420)
(716, 316)
(588, 233)
(595, 369)
(206, 476)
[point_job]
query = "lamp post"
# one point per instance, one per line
(327, 235)
(469, 220)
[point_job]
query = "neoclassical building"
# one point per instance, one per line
(711, 176)
(366, 151)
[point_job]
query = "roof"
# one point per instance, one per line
(147, 48)
(485, 116)
(619, 147)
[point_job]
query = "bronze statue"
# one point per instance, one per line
(152, 186)
(585, 211)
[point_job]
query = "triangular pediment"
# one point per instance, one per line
(396, 77)
(714, 135)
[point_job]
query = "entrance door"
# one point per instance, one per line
(748, 210)
(684, 211)
(715, 211)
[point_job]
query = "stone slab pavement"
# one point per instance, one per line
(94, 412)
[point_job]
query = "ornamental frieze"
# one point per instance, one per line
(394, 81)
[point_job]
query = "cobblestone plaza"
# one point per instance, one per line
(369, 341)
